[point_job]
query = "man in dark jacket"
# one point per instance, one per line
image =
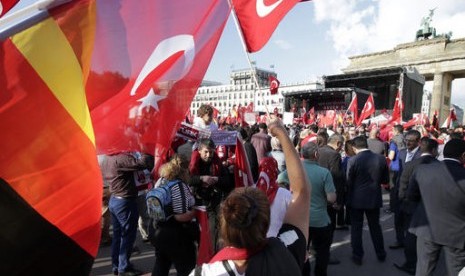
(330, 158)
(429, 151)
(439, 221)
(366, 171)
(210, 181)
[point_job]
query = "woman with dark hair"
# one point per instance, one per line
(245, 219)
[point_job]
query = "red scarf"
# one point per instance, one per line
(233, 253)
(194, 166)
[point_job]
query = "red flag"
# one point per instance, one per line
(250, 107)
(205, 252)
(353, 108)
(397, 110)
(259, 18)
(143, 79)
(51, 185)
(216, 112)
(242, 172)
(417, 119)
(450, 120)
(274, 84)
(368, 109)
(6, 5)
(309, 118)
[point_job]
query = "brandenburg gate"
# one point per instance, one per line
(439, 59)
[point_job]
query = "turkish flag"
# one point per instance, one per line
(148, 60)
(417, 119)
(6, 5)
(368, 109)
(259, 18)
(242, 172)
(397, 110)
(353, 108)
(274, 85)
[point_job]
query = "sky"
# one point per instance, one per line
(317, 37)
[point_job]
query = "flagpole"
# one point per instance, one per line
(26, 17)
(244, 47)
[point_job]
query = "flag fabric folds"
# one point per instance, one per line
(353, 108)
(51, 185)
(274, 85)
(397, 110)
(259, 18)
(368, 109)
(242, 173)
(125, 71)
(143, 79)
(6, 5)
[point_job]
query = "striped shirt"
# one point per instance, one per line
(182, 198)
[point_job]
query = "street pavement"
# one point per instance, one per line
(340, 249)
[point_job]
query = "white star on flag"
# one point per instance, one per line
(151, 99)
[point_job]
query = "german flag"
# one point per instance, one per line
(50, 182)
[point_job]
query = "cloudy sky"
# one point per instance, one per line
(317, 37)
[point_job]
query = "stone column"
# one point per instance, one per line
(440, 99)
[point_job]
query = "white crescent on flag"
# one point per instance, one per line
(1, 8)
(264, 10)
(369, 107)
(162, 52)
(274, 84)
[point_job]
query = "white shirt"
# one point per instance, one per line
(278, 211)
(200, 123)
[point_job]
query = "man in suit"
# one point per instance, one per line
(411, 152)
(439, 221)
(366, 171)
(330, 158)
(429, 151)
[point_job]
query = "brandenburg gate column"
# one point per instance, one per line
(440, 100)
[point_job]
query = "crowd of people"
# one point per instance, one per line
(308, 182)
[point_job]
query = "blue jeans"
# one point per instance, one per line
(124, 216)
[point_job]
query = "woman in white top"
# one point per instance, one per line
(245, 219)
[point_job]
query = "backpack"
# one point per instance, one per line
(159, 205)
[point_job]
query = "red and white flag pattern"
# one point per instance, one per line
(274, 85)
(259, 18)
(242, 172)
(353, 108)
(368, 109)
(145, 73)
(397, 110)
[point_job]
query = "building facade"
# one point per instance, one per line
(242, 90)
(426, 102)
